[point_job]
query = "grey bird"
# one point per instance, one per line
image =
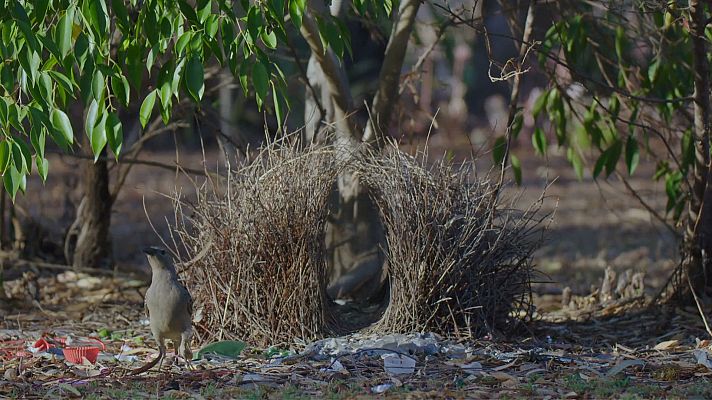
(168, 306)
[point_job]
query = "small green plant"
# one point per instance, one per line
(576, 383)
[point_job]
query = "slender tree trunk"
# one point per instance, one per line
(389, 77)
(354, 236)
(93, 246)
(698, 233)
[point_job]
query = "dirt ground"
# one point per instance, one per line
(585, 349)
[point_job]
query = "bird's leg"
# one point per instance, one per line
(161, 354)
(185, 348)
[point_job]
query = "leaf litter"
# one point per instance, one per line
(612, 350)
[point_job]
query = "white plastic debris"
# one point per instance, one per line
(381, 388)
(398, 364)
(703, 358)
(126, 358)
(335, 366)
(472, 368)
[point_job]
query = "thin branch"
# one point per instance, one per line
(514, 97)
(647, 206)
(576, 74)
(699, 306)
(304, 76)
(135, 161)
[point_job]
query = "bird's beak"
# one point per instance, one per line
(151, 251)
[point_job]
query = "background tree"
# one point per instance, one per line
(631, 78)
(110, 61)
(99, 54)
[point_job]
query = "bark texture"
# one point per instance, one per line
(698, 234)
(355, 237)
(389, 77)
(93, 221)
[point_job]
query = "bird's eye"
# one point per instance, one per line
(163, 252)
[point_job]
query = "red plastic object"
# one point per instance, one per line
(77, 353)
(44, 344)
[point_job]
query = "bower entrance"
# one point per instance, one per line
(256, 245)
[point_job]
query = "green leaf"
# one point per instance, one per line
(122, 15)
(63, 33)
(540, 104)
(226, 348)
(254, 22)
(194, 78)
(388, 6)
(135, 65)
(40, 10)
(24, 154)
(278, 112)
(539, 141)
(98, 136)
(45, 85)
(499, 149)
(517, 125)
(204, 7)
(260, 79)
(296, 12)
(614, 106)
(165, 83)
(42, 167)
(613, 156)
(114, 133)
(332, 36)
(63, 81)
(38, 138)
(244, 72)
(150, 26)
(91, 118)
(576, 162)
(81, 51)
(517, 169)
(60, 121)
(632, 154)
(147, 108)
(188, 12)
(4, 156)
(620, 42)
(121, 88)
(182, 42)
(212, 25)
(97, 85)
(269, 39)
(96, 13)
(12, 180)
(600, 163)
(175, 81)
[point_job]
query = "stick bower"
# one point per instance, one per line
(255, 246)
(458, 260)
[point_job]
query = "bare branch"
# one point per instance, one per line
(514, 97)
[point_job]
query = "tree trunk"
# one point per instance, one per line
(698, 233)
(91, 226)
(355, 237)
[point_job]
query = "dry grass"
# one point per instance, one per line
(459, 262)
(255, 245)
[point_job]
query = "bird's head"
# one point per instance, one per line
(159, 259)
